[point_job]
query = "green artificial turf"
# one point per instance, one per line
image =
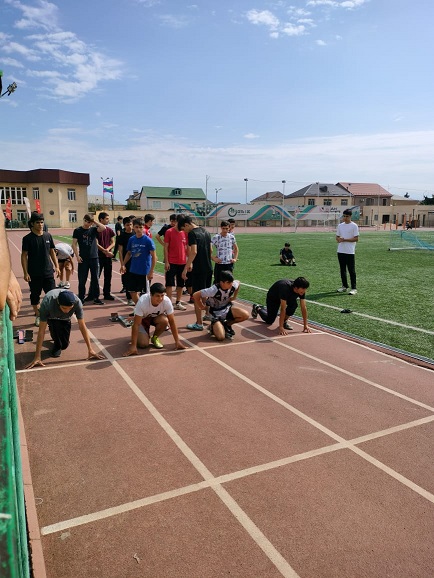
(395, 286)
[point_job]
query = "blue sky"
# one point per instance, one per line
(165, 92)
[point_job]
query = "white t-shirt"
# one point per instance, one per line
(64, 250)
(347, 231)
(144, 307)
(225, 247)
(218, 299)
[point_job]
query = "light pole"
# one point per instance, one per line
(216, 220)
(246, 181)
(283, 203)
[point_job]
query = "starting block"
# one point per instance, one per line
(121, 319)
(23, 336)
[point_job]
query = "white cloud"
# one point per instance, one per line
(12, 62)
(251, 135)
(321, 43)
(69, 68)
(43, 15)
(264, 17)
(348, 4)
(291, 30)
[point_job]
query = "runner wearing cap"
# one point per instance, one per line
(56, 310)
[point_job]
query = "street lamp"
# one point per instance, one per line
(246, 181)
(283, 203)
(216, 220)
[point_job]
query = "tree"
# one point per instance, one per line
(427, 200)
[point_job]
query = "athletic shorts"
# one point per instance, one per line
(201, 280)
(39, 284)
(136, 283)
(228, 317)
(146, 324)
(175, 272)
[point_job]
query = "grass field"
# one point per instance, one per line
(393, 286)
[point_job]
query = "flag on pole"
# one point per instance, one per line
(107, 186)
(38, 205)
(9, 209)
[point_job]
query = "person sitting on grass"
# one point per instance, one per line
(287, 256)
(155, 309)
(219, 298)
(283, 294)
(57, 308)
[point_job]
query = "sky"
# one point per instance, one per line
(208, 93)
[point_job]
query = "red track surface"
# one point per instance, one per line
(305, 455)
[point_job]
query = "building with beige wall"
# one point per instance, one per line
(62, 195)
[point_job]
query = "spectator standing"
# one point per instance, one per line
(10, 290)
(231, 225)
(347, 235)
(226, 251)
(141, 252)
(175, 258)
(64, 254)
(149, 221)
(105, 243)
(161, 233)
(123, 239)
(198, 262)
(37, 260)
(118, 231)
(84, 245)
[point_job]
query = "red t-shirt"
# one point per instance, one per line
(177, 250)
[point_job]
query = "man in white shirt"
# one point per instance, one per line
(347, 235)
(155, 309)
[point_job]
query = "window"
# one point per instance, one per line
(344, 202)
(36, 192)
(72, 216)
(176, 192)
(156, 204)
(71, 195)
(327, 202)
(22, 216)
(370, 201)
(311, 202)
(16, 195)
(384, 202)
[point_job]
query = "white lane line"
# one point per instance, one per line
(225, 478)
(365, 315)
(347, 373)
(254, 532)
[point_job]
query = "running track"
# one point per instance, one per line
(306, 455)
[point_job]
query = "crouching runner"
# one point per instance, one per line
(219, 299)
(155, 309)
(57, 308)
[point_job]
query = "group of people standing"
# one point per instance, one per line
(189, 254)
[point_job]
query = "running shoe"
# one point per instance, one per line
(56, 352)
(207, 317)
(342, 289)
(353, 292)
(37, 320)
(287, 326)
(195, 327)
(131, 303)
(98, 302)
(179, 306)
(229, 332)
(67, 285)
(255, 310)
(156, 342)
(60, 284)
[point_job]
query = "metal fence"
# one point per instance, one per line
(14, 554)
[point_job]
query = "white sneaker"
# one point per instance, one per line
(341, 289)
(131, 303)
(352, 292)
(37, 320)
(180, 307)
(60, 284)
(207, 317)
(67, 285)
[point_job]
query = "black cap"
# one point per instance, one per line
(66, 298)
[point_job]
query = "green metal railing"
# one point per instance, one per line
(14, 553)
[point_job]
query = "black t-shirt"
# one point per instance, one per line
(282, 289)
(38, 248)
(86, 239)
(123, 242)
(163, 230)
(202, 239)
(118, 229)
